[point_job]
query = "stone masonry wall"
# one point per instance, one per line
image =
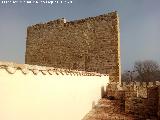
(139, 99)
(90, 44)
(159, 103)
(142, 107)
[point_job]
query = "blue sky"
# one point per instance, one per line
(139, 25)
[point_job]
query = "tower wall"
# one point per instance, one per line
(90, 44)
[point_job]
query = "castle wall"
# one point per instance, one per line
(90, 44)
(143, 107)
(159, 103)
(30, 92)
(140, 99)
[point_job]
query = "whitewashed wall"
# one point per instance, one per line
(66, 96)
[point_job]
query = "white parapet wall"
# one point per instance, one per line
(29, 92)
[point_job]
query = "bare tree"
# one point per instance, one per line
(128, 76)
(146, 70)
(125, 76)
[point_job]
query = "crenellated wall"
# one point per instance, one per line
(140, 99)
(139, 87)
(144, 108)
(90, 44)
(31, 92)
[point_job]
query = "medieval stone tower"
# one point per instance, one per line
(90, 44)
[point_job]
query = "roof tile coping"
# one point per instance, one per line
(12, 67)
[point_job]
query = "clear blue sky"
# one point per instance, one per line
(139, 25)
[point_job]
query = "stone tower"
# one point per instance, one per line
(90, 44)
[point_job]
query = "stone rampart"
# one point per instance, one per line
(139, 87)
(140, 99)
